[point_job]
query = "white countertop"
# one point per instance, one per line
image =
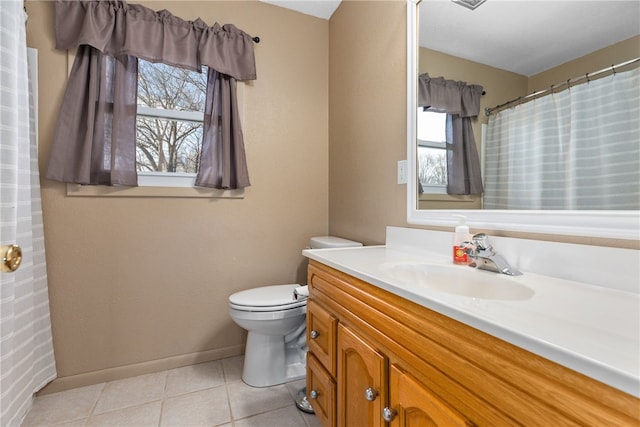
(591, 329)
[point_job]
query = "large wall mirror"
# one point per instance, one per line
(490, 46)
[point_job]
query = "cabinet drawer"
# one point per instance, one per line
(321, 335)
(321, 392)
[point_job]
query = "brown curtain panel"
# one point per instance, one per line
(95, 139)
(222, 148)
(461, 102)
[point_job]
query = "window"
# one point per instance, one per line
(432, 151)
(169, 124)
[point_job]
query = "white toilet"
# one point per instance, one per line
(275, 319)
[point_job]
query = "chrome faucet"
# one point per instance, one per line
(485, 258)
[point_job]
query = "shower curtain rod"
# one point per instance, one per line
(571, 82)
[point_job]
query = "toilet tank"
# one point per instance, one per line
(321, 242)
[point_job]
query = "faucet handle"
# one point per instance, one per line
(481, 241)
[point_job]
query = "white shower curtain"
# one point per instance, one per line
(576, 149)
(26, 349)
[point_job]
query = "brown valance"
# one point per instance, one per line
(117, 28)
(449, 96)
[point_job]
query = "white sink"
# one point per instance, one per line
(458, 280)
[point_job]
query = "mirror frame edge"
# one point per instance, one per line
(603, 224)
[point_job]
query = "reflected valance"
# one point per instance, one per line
(117, 28)
(449, 96)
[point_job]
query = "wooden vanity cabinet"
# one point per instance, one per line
(387, 358)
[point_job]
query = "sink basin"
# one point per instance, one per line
(458, 280)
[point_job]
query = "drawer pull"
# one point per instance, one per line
(314, 394)
(370, 394)
(314, 334)
(388, 414)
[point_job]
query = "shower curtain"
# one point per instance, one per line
(26, 349)
(575, 149)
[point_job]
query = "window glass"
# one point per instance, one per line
(432, 126)
(432, 153)
(169, 122)
(433, 166)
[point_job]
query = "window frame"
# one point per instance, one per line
(441, 145)
(167, 179)
(170, 188)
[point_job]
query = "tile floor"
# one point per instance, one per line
(209, 394)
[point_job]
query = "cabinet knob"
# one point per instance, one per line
(314, 394)
(314, 334)
(370, 394)
(388, 414)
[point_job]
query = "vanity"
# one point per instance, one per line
(398, 334)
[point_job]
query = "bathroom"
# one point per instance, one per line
(141, 284)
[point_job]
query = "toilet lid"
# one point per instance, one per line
(277, 297)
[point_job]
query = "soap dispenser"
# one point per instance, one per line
(460, 236)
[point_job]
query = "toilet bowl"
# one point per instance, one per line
(275, 320)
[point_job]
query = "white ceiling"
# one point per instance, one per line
(319, 8)
(523, 36)
(526, 36)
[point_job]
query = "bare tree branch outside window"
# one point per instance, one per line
(432, 166)
(166, 144)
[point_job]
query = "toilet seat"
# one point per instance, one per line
(266, 298)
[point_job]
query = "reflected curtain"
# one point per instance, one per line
(95, 141)
(575, 149)
(461, 102)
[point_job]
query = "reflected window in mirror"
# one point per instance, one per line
(432, 151)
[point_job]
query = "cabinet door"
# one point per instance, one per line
(321, 335)
(362, 386)
(321, 392)
(411, 404)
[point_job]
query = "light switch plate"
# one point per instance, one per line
(402, 172)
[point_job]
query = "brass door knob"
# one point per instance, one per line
(11, 258)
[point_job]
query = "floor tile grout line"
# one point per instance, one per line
(164, 397)
(93, 407)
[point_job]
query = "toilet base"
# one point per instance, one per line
(269, 361)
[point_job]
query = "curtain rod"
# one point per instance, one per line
(587, 77)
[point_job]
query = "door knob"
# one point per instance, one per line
(314, 334)
(11, 258)
(314, 394)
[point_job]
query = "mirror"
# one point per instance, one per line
(612, 224)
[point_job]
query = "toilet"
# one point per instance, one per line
(275, 319)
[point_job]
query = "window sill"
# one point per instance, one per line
(433, 197)
(76, 190)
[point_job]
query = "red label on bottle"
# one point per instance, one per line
(459, 255)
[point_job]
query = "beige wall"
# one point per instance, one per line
(598, 60)
(367, 118)
(141, 284)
